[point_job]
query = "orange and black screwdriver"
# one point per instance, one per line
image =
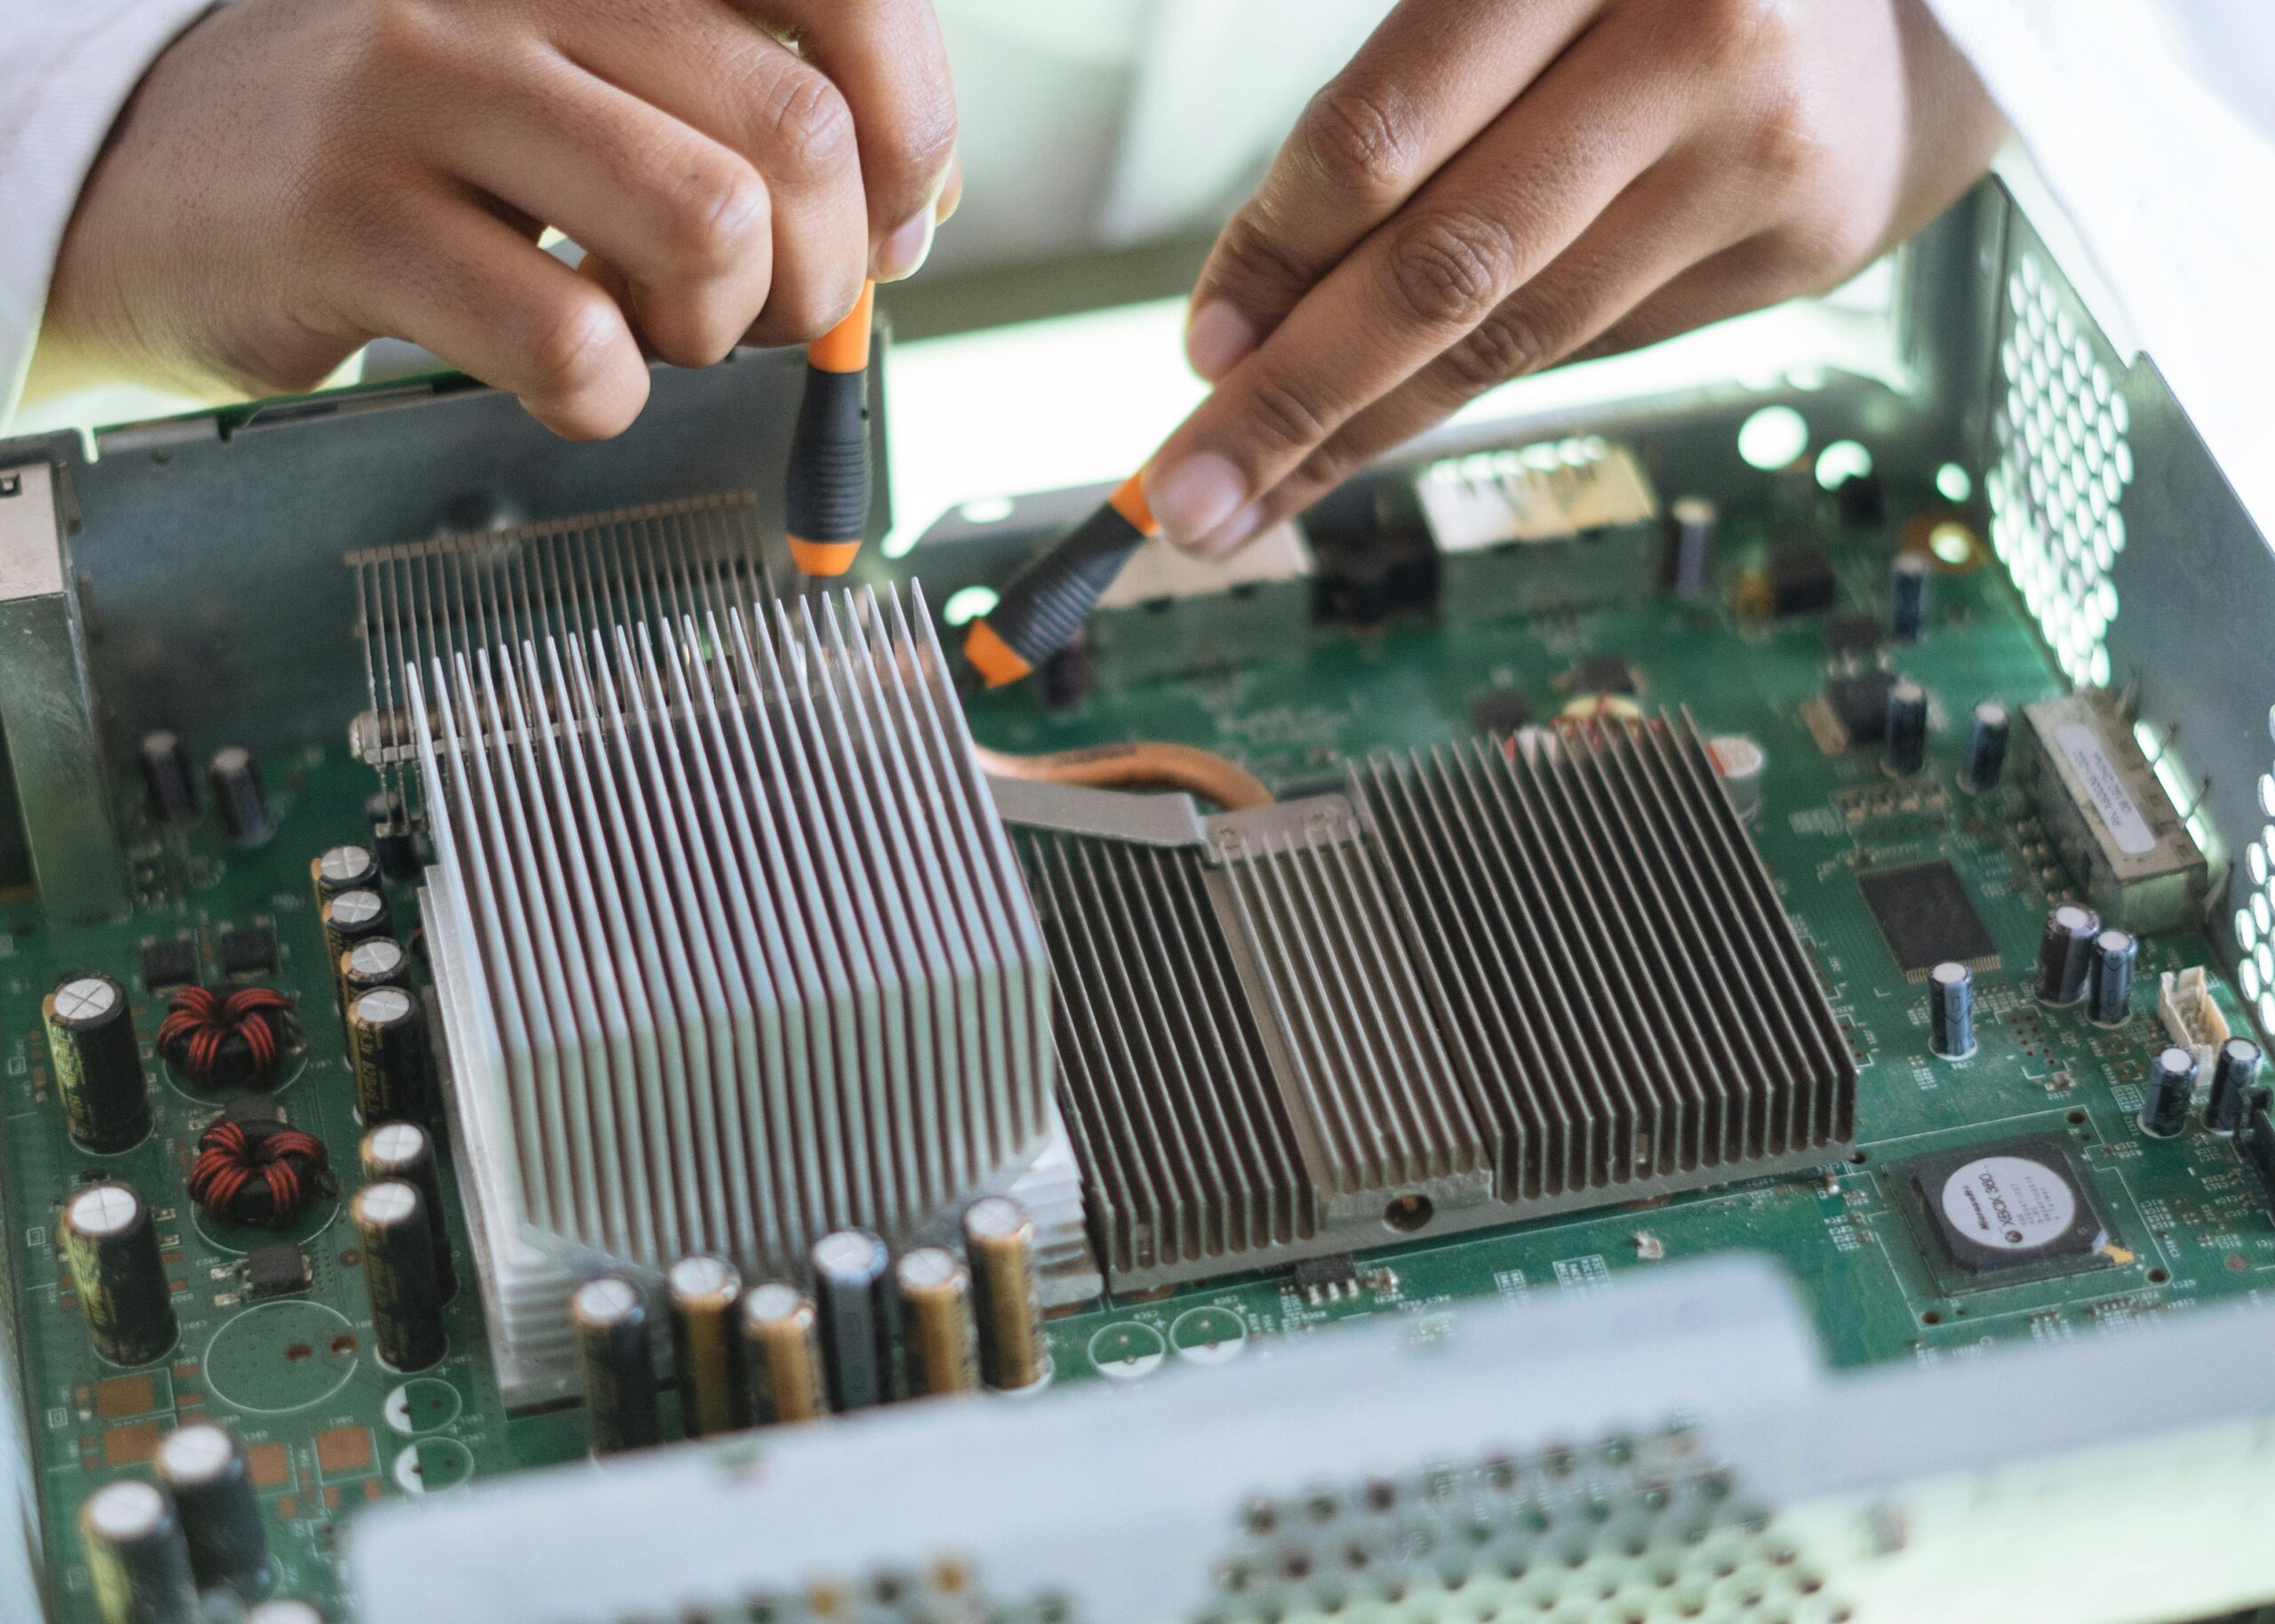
(827, 501)
(1046, 602)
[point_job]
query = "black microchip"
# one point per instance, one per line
(1603, 673)
(1860, 706)
(275, 1271)
(169, 964)
(1500, 709)
(1338, 1269)
(1801, 582)
(2017, 1209)
(249, 951)
(1923, 910)
(1853, 634)
(254, 1111)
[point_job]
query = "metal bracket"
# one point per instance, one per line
(47, 708)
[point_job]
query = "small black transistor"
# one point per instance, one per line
(169, 964)
(275, 1271)
(250, 951)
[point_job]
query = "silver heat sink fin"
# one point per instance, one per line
(1493, 980)
(734, 952)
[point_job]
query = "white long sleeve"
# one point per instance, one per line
(67, 67)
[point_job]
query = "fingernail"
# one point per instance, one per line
(1193, 496)
(1233, 534)
(1217, 339)
(905, 252)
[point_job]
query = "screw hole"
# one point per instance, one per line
(1408, 1213)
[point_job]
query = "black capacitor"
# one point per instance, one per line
(204, 1468)
(392, 838)
(386, 1043)
(380, 962)
(852, 1294)
(2065, 953)
(703, 1293)
(138, 1561)
(405, 1151)
(1907, 728)
(1951, 1011)
(97, 1064)
(1907, 597)
(237, 795)
(167, 777)
(2115, 954)
(117, 1272)
(343, 868)
(1690, 546)
(352, 916)
(999, 1244)
(613, 1348)
(397, 1237)
(2235, 1070)
(2165, 1095)
(1987, 746)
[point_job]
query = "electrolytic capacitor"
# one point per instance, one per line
(349, 917)
(2235, 1070)
(2166, 1096)
(387, 1044)
(999, 1244)
(2065, 953)
(118, 1273)
(167, 778)
(392, 838)
(394, 1233)
(1951, 1011)
(1907, 728)
(1907, 597)
(138, 1562)
(704, 1294)
(2115, 952)
(1987, 746)
(1741, 764)
(380, 962)
(1690, 546)
(939, 1342)
(405, 1151)
(237, 795)
(851, 1295)
(343, 868)
(613, 1349)
(204, 1468)
(782, 1356)
(97, 1064)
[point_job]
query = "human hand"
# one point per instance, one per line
(294, 178)
(1494, 186)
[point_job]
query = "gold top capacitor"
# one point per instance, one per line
(782, 1353)
(937, 1336)
(704, 1292)
(998, 1240)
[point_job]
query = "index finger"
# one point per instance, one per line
(1432, 75)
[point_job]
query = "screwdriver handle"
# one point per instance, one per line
(827, 500)
(1053, 593)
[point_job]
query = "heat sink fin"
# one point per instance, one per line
(1499, 979)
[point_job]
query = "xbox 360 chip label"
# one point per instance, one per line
(2009, 1203)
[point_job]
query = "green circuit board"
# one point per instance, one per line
(332, 1431)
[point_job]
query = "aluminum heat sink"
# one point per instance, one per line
(730, 945)
(1493, 980)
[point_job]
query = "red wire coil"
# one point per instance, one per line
(265, 1174)
(202, 1028)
